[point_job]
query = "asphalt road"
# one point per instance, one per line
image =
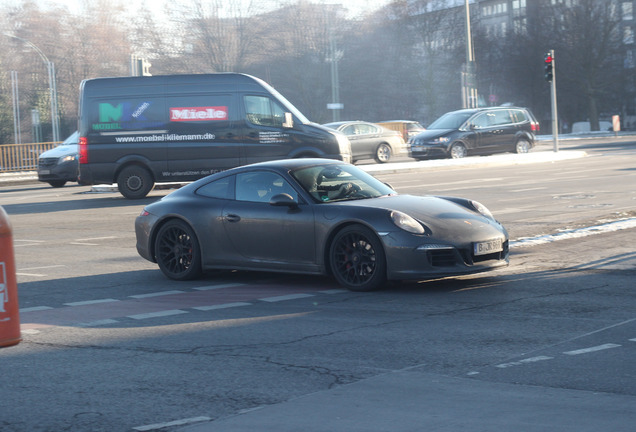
(546, 344)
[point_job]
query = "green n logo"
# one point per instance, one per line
(109, 113)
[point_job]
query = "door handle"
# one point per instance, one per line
(232, 218)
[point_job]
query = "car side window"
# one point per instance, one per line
(350, 130)
(217, 189)
(481, 121)
(501, 117)
(261, 110)
(519, 116)
(261, 186)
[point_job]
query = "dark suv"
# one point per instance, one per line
(476, 131)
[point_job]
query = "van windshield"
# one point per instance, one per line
(288, 105)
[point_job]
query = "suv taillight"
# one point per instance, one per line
(83, 150)
(535, 127)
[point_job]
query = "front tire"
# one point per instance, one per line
(383, 153)
(134, 182)
(458, 151)
(57, 183)
(357, 260)
(177, 251)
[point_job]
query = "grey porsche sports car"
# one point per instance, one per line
(317, 216)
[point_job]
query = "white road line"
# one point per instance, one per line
(156, 294)
(95, 238)
(221, 306)
(524, 361)
(98, 323)
(633, 340)
(35, 309)
(285, 297)
(91, 302)
(215, 287)
(157, 314)
(334, 291)
(172, 423)
(592, 349)
(44, 267)
(30, 274)
(84, 244)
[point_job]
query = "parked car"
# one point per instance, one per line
(368, 140)
(317, 216)
(60, 164)
(408, 128)
(476, 131)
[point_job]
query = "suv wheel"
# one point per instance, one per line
(523, 146)
(458, 151)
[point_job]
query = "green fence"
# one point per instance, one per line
(22, 157)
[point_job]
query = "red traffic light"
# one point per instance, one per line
(548, 58)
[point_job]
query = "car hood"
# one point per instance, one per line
(433, 133)
(60, 151)
(445, 218)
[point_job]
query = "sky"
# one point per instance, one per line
(355, 7)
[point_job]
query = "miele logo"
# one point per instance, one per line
(198, 113)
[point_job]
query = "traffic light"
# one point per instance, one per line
(548, 65)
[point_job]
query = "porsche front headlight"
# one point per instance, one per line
(482, 209)
(406, 222)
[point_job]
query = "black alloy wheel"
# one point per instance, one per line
(356, 259)
(177, 251)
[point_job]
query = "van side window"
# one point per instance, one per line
(263, 111)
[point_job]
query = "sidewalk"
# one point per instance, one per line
(414, 400)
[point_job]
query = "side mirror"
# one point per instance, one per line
(289, 121)
(283, 200)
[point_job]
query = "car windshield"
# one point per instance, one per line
(452, 120)
(330, 183)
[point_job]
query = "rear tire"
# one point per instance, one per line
(383, 153)
(135, 182)
(57, 183)
(522, 146)
(177, 251)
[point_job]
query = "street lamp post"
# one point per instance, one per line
(469, 84)
(50, 67)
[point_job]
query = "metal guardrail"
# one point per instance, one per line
(22, 157)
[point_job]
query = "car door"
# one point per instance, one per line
(265, 235)
(363, 138)
(490, 128)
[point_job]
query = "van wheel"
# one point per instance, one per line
(523, 146)
(458, 151)
(134, 182)
(383, 153)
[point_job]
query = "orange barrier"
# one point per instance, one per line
(9, 311)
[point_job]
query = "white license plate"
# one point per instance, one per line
(45, 172)
(488, 247)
